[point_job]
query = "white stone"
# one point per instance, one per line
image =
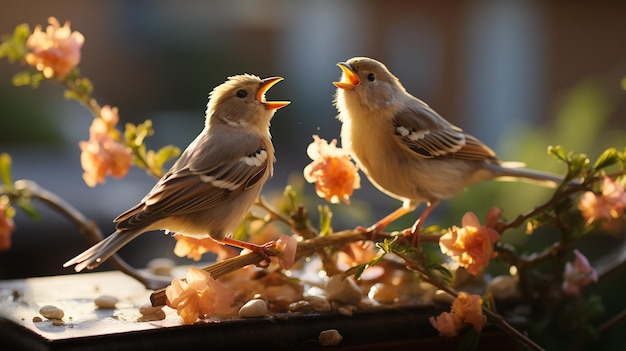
(343, 290)
(253, 308)
(51, 312)
(106, 302)
(503, 287)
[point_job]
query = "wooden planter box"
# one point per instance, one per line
(88, 328)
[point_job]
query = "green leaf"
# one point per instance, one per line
(28, 208)
(578, 165)
(5, 170)
(14, 47)
(326, 216)
(558, 152)
(140, 157)
(441, 269)
(130, 133)
(608, 158)
(444, 274)
(72, 95)
(143, 131)
(164, 154)
(358, 269)
(21, 79)
(388, 245)
(355, 270)
(85, 86)
(36, 79)
(290, 193)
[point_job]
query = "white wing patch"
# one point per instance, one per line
(412, 135)
(222, 184)
(256, 159)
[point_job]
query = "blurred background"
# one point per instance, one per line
(520, 75)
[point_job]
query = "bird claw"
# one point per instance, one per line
(266, 251)
(372, 231)
(414, 233)
(361, 229)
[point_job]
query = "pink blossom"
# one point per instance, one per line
(56, 51)
(465, 309)
(6, 228)
(356, 253)
(198, 296)
(287, 246)
(472, 245)
(195, 248)
(607, 206)
(446, 323)
(469, 309)
(359, 252)
(577, 275)
(102, 155)
(332, 171)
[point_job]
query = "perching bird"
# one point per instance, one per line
(213, 184)
(405, 148)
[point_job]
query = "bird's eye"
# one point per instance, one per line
(242, 93)
(371, 77)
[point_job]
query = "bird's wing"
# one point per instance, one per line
(202, 181)
(428, 135)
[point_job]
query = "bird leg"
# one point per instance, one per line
(380, 225)
(417, 226)
(264, 250)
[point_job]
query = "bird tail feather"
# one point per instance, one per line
(100, 252)
(510, 172)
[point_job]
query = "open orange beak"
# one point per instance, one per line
(266, 84)
(350, 78)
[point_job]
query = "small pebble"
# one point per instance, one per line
(253, 308)
(58, 322)
(150, 313)
(310, 304)
(51, 312)
(343, 290)
(503, 287)
(37, 319)
(347, 310)
(161, 266)
(319, 304)
(384, 293)
(302, 306)
(442, 296)
(330, 337)
(106, 302)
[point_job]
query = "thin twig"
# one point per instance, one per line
(493, 317)
(28, 189)
(305, 248)
(615, 320)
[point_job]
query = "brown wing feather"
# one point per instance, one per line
(423, 131)
(184, 190)
(474, 150)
